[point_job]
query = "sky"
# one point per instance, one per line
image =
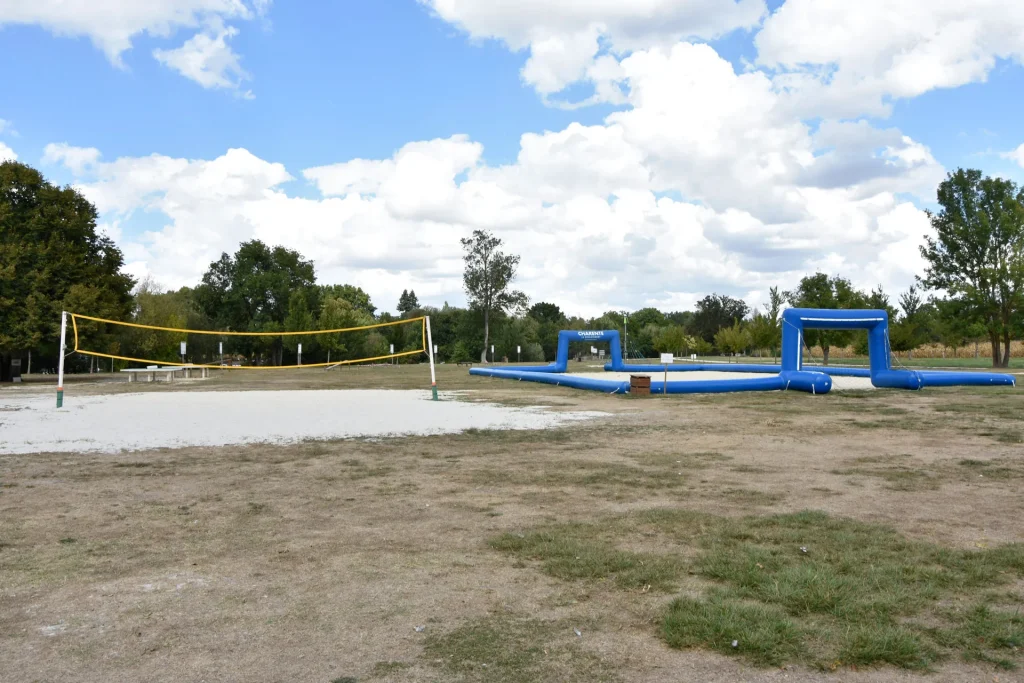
(633, 154)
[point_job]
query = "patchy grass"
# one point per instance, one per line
(750, 497)
(801, 587)
(507, 649)
(764, 634)
(578, 551)
(582, 474)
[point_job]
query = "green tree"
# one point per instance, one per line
(977, 253)
(336, 313)
(407, 302)
(251, 292)
(714, 312)
(821, 291)
(488, 278)
(544, 312)
(673, 339)
(299, 319)
(732, 340)
(359, 299)
(52, 259)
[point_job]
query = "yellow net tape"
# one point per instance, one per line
(308, 333)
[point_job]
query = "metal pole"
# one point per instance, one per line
(60, 360)
(430, 355)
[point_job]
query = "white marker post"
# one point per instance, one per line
(183, 347)
(220, 348)
(60, 360)
(666, 360)
(492, 353)
(300, 354)
(391, 351)
(519, 350)
(431, 350)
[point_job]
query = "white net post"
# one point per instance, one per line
(60, 358)
(430, 355)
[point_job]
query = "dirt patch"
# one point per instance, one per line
(318, 561)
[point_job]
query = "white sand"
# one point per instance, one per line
(838, 383)
(32, 424)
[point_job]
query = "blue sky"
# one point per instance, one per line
(328, 82)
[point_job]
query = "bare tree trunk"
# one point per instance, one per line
(487, 335)
(1006, 346)
(994, 338)
(824, 354)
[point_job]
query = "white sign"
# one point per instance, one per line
(600, 354)
(392, 346)
(693, 356)
(435, 349)
(183, 348)
(666, 359)
(593, 350)
(492, 348)
(300, 349)
(220, 346)
(519, 349)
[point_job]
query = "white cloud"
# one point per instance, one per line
(112, 25)
(7, 154)
(565, 38)
(706, 180)
(1016, 155)
(850, 58)
(207, 59)
(77, 159)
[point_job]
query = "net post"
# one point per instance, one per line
(60, 359)
(430, 355)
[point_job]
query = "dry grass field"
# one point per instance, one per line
(858, 536)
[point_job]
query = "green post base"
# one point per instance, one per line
(60, 398)
(433, 391)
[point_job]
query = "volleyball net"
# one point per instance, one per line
(268, 349)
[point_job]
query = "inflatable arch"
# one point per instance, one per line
(791, 374)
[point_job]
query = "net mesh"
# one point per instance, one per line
(130, 343)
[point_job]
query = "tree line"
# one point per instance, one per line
(52, 258)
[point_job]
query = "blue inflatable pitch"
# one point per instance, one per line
(790, 374)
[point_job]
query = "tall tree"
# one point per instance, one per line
(544, 312)
(733, 339)
(714, 312)
(251, 291)
(488, 278)
(821, 291)
(52, 259)
(977, 253)
(407, 302)
(359, 299)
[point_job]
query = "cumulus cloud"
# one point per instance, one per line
(7, 154)
(77, 159)
(706, 179)
(207, 59)
(567, 39)
(112, 26)
(848, 59)
(1016, 155)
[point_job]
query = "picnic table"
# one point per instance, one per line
(151, 372)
